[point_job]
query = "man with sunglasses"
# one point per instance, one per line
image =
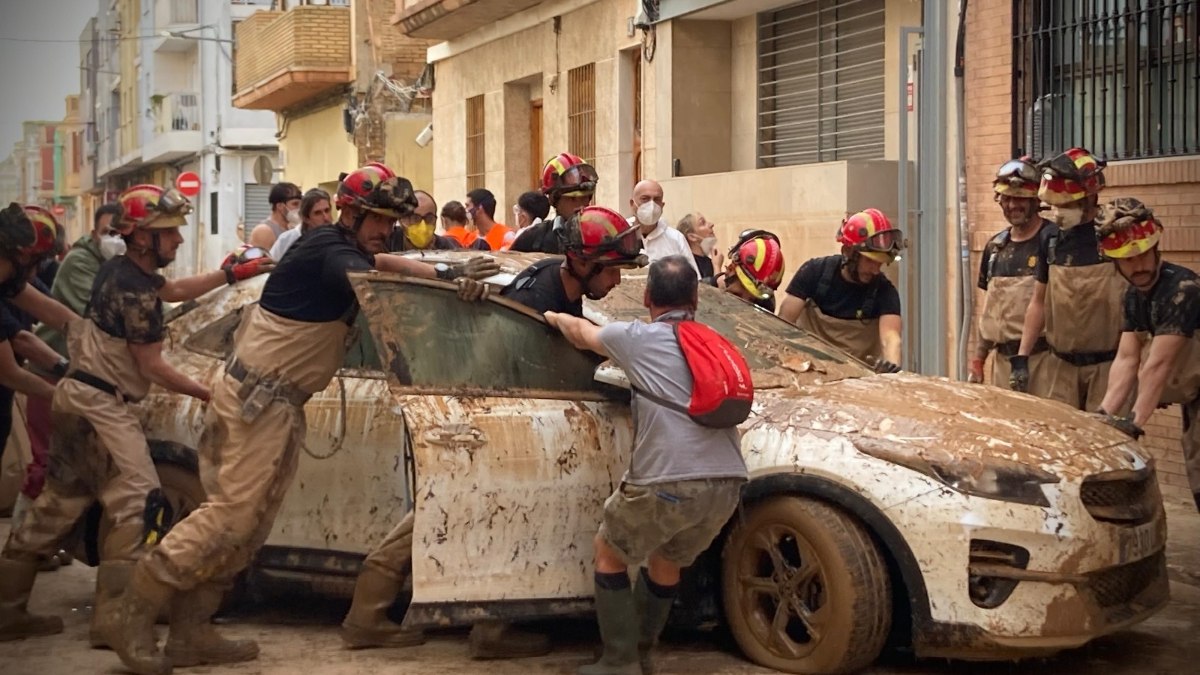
(416, 231)
(1007, 276)
(847, 299)
(1078, 297)
(99, 450)
(569, 183)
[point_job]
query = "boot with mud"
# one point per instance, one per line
(112, 578)
(16, 583)
(653, 602)
(193, 641)
(128, 624)
(367, 624)
(619, 627)
(499, 640)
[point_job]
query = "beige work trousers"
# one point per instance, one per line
(1191, 445)
(393, 555)
(1081, 387)
(98, 451)
(246, 469)
(1039, 373)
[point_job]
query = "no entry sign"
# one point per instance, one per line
(188, 183)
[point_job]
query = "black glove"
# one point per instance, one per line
(1019, 379)
(885, 366)
(479, 267)
(1123, 424)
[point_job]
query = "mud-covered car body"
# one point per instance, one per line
(964, 520)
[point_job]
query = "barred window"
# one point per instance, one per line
(581, 112)
(1120, 77)
(475, 143)
(821, 82)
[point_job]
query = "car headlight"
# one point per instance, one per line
(999, 479)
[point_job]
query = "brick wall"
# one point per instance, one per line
(1170, 186)
(405, 55)
(303, 37)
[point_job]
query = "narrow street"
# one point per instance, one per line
(299, 634)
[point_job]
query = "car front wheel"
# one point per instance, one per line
(806, 590)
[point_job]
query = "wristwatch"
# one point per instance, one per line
(443, 270)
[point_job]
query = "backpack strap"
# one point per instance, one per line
(1001, 240)
(827, 276)
(1053, 244)
(529, 274)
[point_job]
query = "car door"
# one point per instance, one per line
(515, 445)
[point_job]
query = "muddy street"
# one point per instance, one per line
(298, 633)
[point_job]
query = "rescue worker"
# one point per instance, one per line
(1006, 275)
(98, 450)
(846, 299)
(1158, 356)
(417, 230)
(287, 347)
(599, 243)
(683, 482)
(1078, 295)
(569, 183)
(755, 269)
(13, 377)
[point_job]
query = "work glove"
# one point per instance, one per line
(1019, 379)
(885, 366)
(235, 272)
(479, 267)
(472, 290)
(1123, 424)
(975, 371)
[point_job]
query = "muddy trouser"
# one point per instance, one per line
(1039, 372)
(246, 469)
(38, 426)
(393, 555)
(98, 451)
(1191, 445)
(1079, 386)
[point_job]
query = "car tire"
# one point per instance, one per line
(833, 576)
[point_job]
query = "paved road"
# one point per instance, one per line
(299, 635)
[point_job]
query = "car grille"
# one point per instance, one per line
(1122, 497)
(1123, 584)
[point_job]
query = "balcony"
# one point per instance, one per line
(176, 129)
(448, 19)
(285, 58)
(174, 16)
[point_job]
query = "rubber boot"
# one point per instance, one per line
(128, 624)
(654, 611)
(112, 578)
(193, 641)
(619, 629)
(499, 640)
(367, 624)
(16, 583)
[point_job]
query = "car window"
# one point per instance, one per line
(433, 343)
(215, 339)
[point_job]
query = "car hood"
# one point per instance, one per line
(934, 420)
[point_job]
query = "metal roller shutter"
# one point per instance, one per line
(255, 207)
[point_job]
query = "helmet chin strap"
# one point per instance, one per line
(585, 280)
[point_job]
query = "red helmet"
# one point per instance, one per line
(568, 175)
(870, 233)
(1127, 228)
(1070, 177)
(758, 261)
(47, 233)
(378, 189)
(1018, 178)
(599, 234)
(149, 207)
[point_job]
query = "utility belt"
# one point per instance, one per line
(257, 392)
(1084, 359)
(1013, 347)
(100, 384)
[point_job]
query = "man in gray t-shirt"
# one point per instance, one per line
(682, 485)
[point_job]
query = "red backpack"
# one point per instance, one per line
(722, 390)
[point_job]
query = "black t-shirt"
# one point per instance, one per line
(1076, 246)
(1003, 257)
(310, 283)
(821, 281)
(1172, 307)
(540, 288)
(540, 238)
(705, 265)
(125, 302)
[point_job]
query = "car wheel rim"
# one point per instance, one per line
(783, 591)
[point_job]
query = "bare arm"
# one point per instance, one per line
(1123, 376)
(17, 378)
(790, 308)
(262, 237)
(1153, 376)
(44, 308)
(1035, 320)
(154, 368)
(890, 327)
(39, 353)
(189, 288)
(581, 333)
(386, 262)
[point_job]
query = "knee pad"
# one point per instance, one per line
(156, 518)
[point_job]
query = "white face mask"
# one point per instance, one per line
(649, 213)
(293, 217)
(707, 245)
(112, 246)
(1066, 217)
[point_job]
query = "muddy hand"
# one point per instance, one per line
(975, 371)
(472, 290)
(885, 366)
(1123, 424)
(1019, 379)
(479, 267)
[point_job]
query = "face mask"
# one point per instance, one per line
(649, 213)
(1066, 217)
(293, 217)
(707, 245)
(112, 246)
(420, 235)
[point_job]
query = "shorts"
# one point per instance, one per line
(678, 520)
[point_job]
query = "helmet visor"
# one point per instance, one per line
(1020, 170)
(578, 181)
(888, 241)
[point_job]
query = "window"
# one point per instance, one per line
(581, 112)
(820, 82)
(475, 143)
(1116, 76)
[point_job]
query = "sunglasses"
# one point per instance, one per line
(414, 218)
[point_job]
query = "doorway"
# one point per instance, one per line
(536, 159)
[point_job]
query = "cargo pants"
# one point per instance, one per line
(393, 555)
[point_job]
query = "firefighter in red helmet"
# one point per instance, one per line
(755, 269)
(570, 184)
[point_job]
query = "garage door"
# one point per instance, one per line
(255, 207)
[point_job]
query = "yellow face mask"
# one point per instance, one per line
(420, 234)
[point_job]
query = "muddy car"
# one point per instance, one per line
(961, 521)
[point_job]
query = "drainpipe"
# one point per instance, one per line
(966, 291)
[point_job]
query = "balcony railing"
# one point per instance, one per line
(284, 58)
(177, 112)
